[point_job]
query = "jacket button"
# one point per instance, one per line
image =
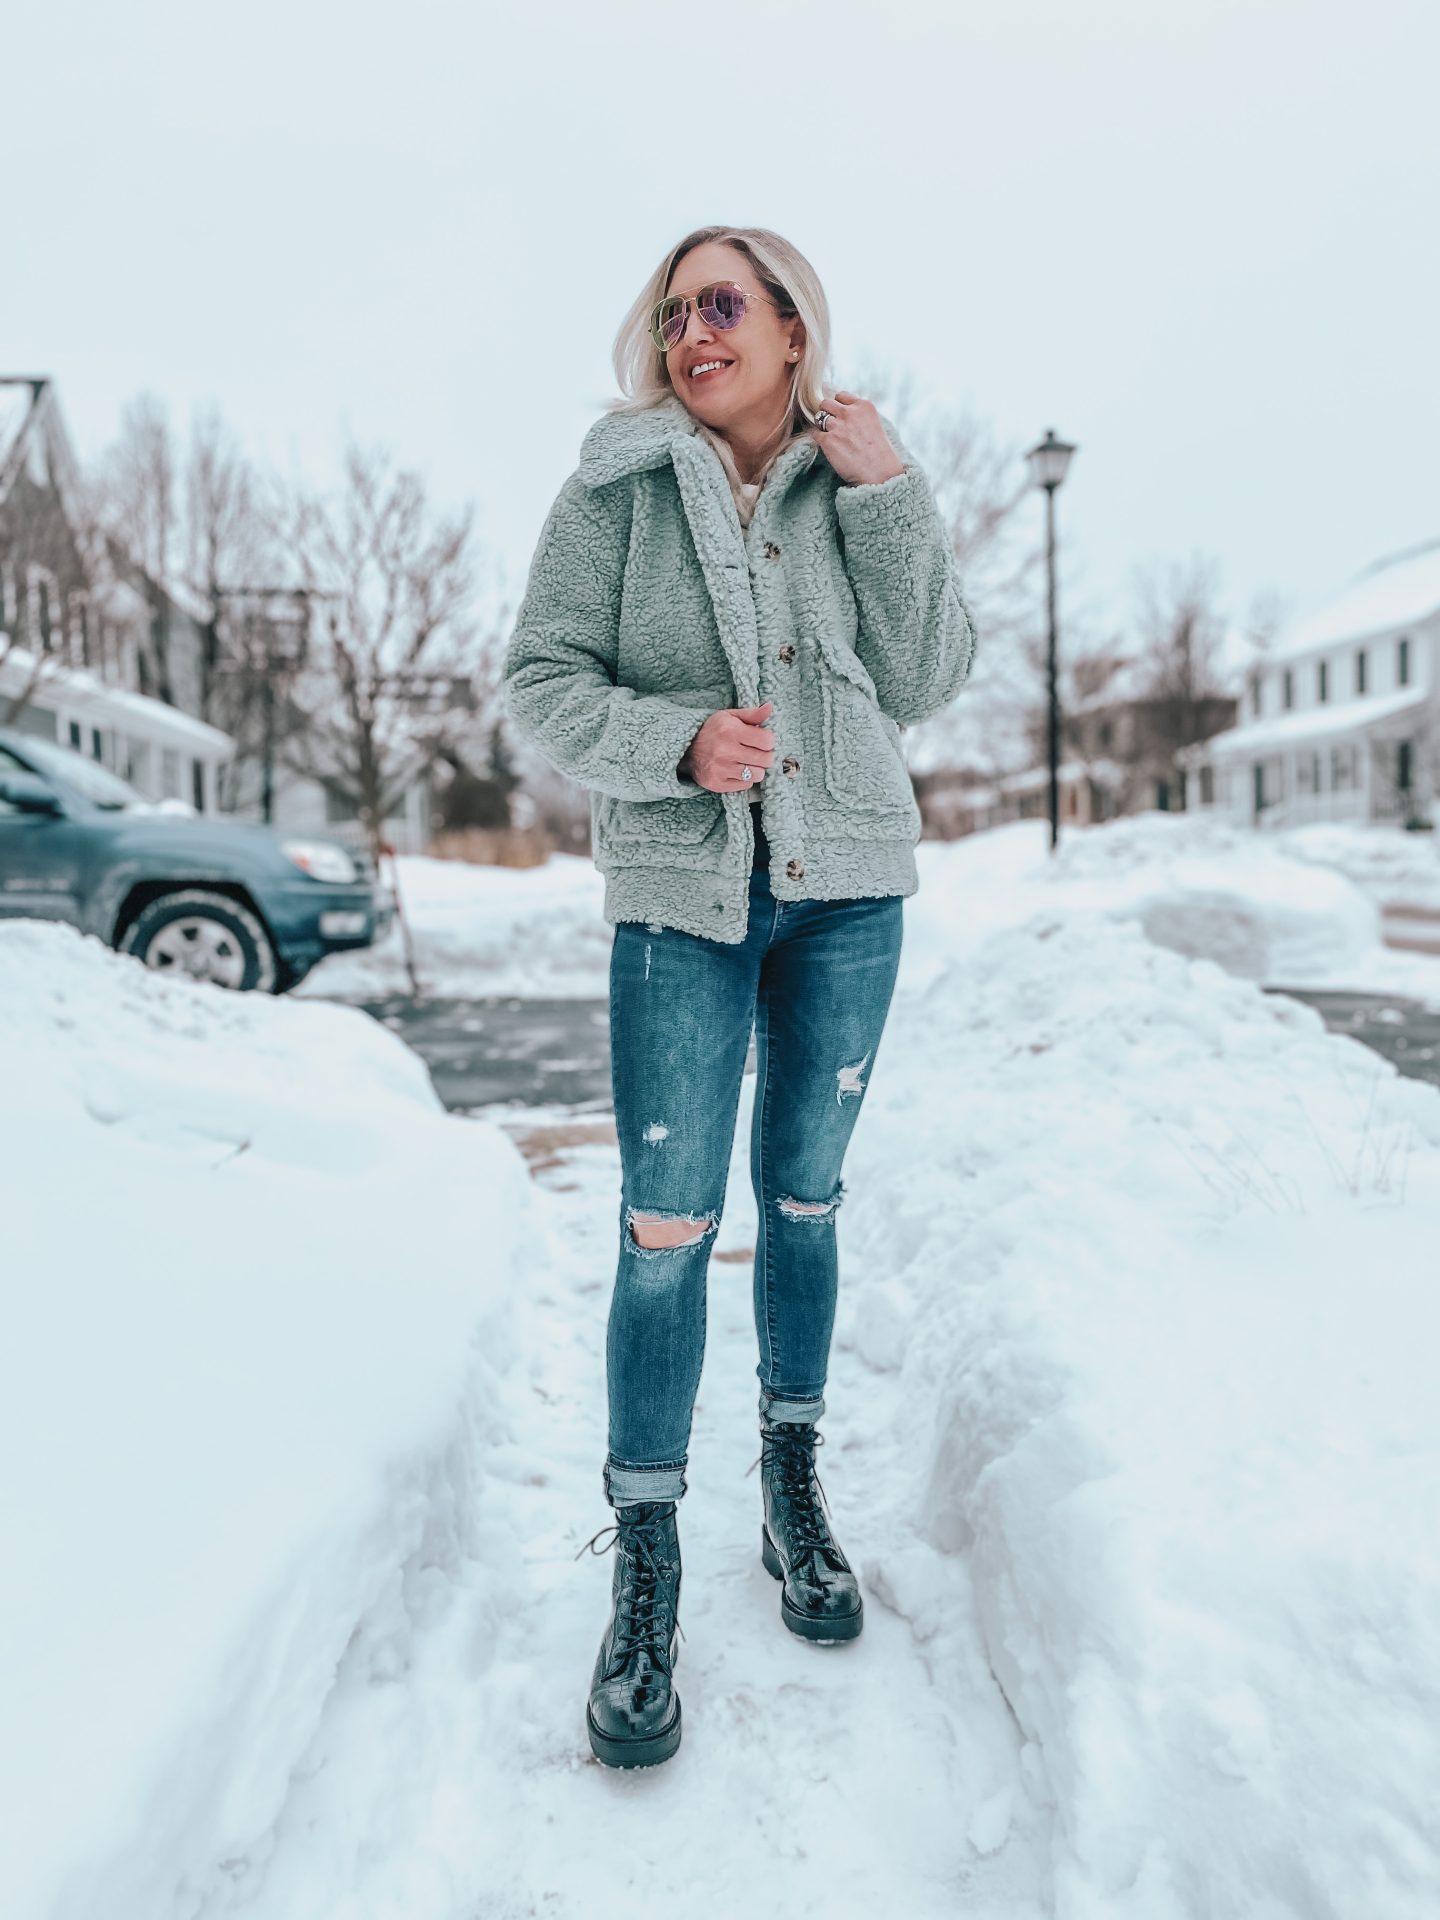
(787, 652)
(794, 870)
(772, 552)
(790, 765)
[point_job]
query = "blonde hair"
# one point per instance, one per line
(784, 274)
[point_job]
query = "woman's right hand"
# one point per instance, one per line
(732, 738)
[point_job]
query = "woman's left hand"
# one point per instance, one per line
(854, 442)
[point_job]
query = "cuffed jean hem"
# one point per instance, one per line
(773, 1407)
(625, 1486)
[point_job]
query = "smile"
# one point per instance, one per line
(713, 372)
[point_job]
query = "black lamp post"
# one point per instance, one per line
(1049, 459)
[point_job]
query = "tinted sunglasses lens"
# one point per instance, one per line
(722, 307)
(669, 322)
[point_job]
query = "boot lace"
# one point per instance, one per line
(639, 1541)
(792, 1446)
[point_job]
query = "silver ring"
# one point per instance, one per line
(823, 419)
(745, 773)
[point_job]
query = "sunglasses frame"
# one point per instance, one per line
(692, 302)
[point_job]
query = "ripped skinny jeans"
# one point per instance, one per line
(814, 978)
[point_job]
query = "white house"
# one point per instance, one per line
(1341, 718)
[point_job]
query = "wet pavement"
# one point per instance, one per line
(502, 1049)
(551, 1053)
(1406, 1032)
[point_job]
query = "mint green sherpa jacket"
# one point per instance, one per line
(648, 606)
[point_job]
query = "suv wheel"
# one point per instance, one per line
(206, 936)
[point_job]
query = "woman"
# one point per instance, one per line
(738, 599)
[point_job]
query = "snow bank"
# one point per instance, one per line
(1394, 869)
(1203, 889)
(1207, 890)
(256, 1298)
(527, 931)
(1162, 1296)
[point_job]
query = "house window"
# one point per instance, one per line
(338, 807)
(1360, 671)
(1322, 680)
(170, 773)
(1342, 769)
(137, 765)
(1402, 765)
(1288, 689)
(1254, 693)
(1402, 661)
(97, 745)
(197, 785)
(1207, 786)
(75, 735)
(1105, 734)
(1304, 774)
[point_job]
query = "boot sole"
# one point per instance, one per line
(805, 1626)
(646, 1752)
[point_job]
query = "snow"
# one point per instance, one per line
(484, 930)
(1162, 1285)
(1399, 591)
(1131, 1437)
(1281, 909)
(1394, 869)
(226, 1220)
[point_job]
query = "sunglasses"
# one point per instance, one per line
(721, 305)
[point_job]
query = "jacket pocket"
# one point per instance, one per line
(865, 770)
(652, 832)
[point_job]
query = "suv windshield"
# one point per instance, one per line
(97, 783)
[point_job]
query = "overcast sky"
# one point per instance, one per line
(1198, 238)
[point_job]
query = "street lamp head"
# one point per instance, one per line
(1049, 459)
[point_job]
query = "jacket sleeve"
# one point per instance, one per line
(917, 638)
(558, 682)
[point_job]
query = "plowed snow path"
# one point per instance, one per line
(452, 1775)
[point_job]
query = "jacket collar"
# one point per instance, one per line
(619, 443)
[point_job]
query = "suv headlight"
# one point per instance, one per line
(322, 860)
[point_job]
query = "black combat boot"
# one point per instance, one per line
(820, 1596)
(633, 1715)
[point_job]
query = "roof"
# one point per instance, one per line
(1399, 591)
(86, 693)
(17, 400)
(1311, 723)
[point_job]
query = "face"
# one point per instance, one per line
(762, 352)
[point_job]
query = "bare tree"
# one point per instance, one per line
(137, 501)
(393, 650)
(1181, 628)
(230, 544)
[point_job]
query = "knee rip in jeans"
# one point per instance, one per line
(670, 1226)
(811, 1209)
